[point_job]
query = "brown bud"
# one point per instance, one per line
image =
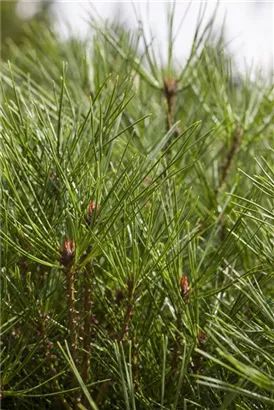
(184, 288)
(170, 87)
(92, 206)
(68, 253)
(201, 338)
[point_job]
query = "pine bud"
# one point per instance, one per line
(68, 253)
(170, 87)
(184, 288)
(92, 206)
(201, 338)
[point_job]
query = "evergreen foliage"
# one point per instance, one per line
(137, 226)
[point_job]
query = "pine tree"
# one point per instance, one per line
(136, 225)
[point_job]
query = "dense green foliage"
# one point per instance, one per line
(137, 226)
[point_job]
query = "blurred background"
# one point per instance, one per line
(249, 25)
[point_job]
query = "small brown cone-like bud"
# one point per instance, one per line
(184, 288)
(92, 206)
(170, 87)
(201, 338)
(68, 253)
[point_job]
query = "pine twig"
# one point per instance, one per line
(87, 305)
(170, 92)
(67, 260)
(236, 140)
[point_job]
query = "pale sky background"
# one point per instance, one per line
(249, 25)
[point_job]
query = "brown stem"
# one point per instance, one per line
(236, 140)
(72, 312)
(225, 169)
(73, 334)
(67, 259)
(170, 92)
(87, 305)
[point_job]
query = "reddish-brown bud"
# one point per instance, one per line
(184, 288)
(92, 206)
(170, 87)
(68, 253)
(201, 338)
